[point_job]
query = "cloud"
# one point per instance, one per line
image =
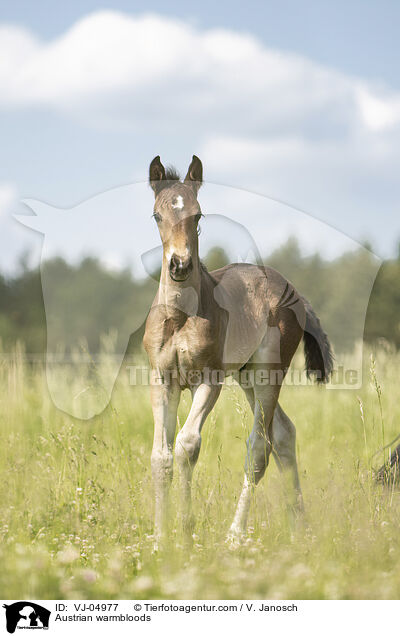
(264, 119)
(117, 65)
(378, 112)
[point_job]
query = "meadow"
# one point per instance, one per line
(76, 497)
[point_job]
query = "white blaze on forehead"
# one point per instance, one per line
(178, 202)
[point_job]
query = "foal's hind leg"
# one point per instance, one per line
(284, 452)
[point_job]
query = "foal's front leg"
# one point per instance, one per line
(164, 402)
(188, 442)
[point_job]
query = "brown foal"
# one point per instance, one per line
(204, 326)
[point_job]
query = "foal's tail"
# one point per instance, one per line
(317, 348)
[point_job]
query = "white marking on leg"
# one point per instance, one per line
(238, 526)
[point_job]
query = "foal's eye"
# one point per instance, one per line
(157, 217)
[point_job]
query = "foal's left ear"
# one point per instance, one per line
(194, 176)
(156, 175)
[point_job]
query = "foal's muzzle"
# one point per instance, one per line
(180, 269)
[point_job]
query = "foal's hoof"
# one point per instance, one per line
(156, 545)
(157, 540)
(235, 538)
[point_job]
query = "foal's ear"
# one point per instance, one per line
(156, 175)
(194, 176)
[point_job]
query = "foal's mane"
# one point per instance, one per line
(171, 174)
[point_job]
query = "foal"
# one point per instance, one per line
(205, 325)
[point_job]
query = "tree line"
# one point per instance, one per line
(88, 300)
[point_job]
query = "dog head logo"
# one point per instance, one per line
(26, 615)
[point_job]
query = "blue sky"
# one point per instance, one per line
(299, 101)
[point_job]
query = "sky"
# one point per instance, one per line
(294, 102)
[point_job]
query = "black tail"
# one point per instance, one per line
(317, 348)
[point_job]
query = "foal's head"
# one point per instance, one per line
(177, 214)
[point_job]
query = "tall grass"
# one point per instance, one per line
(76, 497)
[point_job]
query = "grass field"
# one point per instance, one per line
(76, 498)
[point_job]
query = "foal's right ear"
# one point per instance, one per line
(194, 175)
(156, 175)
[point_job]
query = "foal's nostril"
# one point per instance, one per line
(179, 268)
(175, 262)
